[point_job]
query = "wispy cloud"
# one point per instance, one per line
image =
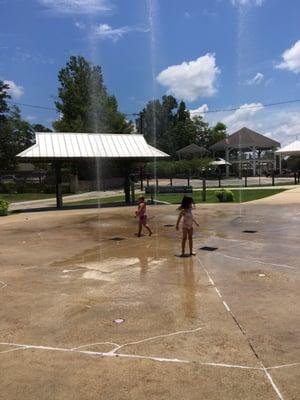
(71, 7)
(247, 2)
(256, 80)
(191, 79)
(30, 118)
(291, 59)
(105, 31)
(80, 25)
(277, 123)
(15, 91)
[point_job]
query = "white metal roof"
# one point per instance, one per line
(85, 145)
(290, 149)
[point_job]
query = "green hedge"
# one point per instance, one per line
(167, 169)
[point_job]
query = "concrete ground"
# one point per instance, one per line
(224, 324)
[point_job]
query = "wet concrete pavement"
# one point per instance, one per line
(224, 324)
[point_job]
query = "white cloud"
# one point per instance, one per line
(291, 59)
(277, 123)
(256, 80)
(104, 31)
(14, 90)
(247, 2)
(191, 80)
(77, 6)
(242, 117)
(199, 111)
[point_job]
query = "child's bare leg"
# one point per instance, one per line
(148, 229)
(184, 237)
(140, 230)
(191, 241)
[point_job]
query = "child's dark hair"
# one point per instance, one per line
(142, 198)
(186, 203)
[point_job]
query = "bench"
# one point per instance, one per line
(168, 189)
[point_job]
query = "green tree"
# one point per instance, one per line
(40, 128)
(183, 132)
(16, 135)
(84, 104)
(218, 132)
(4, 96)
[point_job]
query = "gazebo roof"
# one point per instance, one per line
(65, 145)
(245, 138)
(192, 149)
(291, 149)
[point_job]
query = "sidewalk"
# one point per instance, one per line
(291, 196)
(24, 205)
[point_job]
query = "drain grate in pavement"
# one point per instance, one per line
(117, 238)
(208, 248)
(169, 225)
(249, 231)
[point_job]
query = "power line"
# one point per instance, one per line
(202, 112)
(251, 107)
(30, 105)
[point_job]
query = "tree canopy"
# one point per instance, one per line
(84, 103)
(168, 125)
(15, 133)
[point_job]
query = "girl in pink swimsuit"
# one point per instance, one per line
(141, 214)
(187, 225)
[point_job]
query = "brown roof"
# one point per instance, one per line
(245, 138)
(192, 149)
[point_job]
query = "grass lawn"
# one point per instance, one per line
(240, 196)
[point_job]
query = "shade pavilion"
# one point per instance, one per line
(65, 146)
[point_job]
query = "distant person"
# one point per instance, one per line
(187, 204)
(142, 216)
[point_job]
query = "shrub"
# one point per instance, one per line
(3, 207)
(8, 187)
(224, 195)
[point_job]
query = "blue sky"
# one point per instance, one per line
(211, 53)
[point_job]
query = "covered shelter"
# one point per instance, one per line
(292, 149)
(58, 147)
(248, 150)
(192, 151)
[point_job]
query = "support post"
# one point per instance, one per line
(246, 177)
(227, 159)
(254, 161)
(188, 180)
(295, 177)
(273, 178)
(141, 178)
(171, 182)
(127, 186)
(132, 192)
(58, 184)
(204, 188)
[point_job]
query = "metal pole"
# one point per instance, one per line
(59, 198)
(246, 176)
(273, 178)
